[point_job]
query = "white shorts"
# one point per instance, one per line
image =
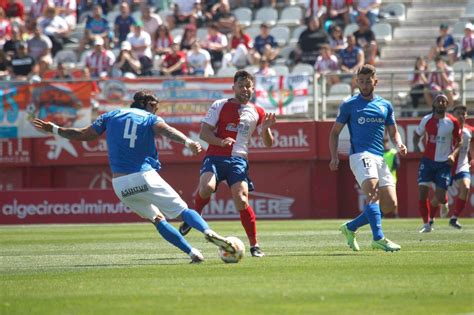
(366, 165)
(148, 194)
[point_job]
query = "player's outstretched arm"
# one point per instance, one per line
(333, 144)
(268, 121)
(397, 139)
(174, 134)
(80, 134)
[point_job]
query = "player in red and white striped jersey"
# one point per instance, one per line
(462, 175)
(227, 128)
(442, 135)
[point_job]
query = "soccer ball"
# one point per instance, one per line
(235, 257)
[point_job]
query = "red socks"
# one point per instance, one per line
(459, 207)
(424, 208)
(249, 222)
(200, 203)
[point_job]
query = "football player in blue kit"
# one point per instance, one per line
(133, 159)
(366, 116)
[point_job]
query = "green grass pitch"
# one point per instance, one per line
(129, 269)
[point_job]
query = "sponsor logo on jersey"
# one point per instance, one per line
(367, 120)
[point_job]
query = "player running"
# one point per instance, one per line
(442, 136)
(228, 127)
(366, 115)
(133, 158)
(462, 175)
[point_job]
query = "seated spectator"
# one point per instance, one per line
(327, 63)
(3, 65)
(141, 46)
(368, 8)
(15, 11)
(21, 64)
(441, 80)
(310, 42)
(467, 43)
(62, 73)
(445, 45)
(96, 25)
(315, 9)
(37, 8)
(336, 39)
(182, 11)
(86, 5)
(222, 16)
(174, 62)
(199, 61)
(150, 20)
(127, 63)
(5, 28)
(55, 27)
(216, 44)
(39, 47)
(265, 45)
(264, 69)
(100, 60)
(239, 47)
(67, 9)
(338, 11)
(199, 17)
(189, 37)
(418, 81)
(351, 59)
(365, 39)
(11, 45)
(123, 23)
(162, 41)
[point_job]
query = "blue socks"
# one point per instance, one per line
(374, 216)
(361, 220)
(194, 220)
(171, 234)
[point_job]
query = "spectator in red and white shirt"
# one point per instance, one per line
(15, 11)
(37, 8)
(441, 81)
(239, 47)
(174, 62)
(100, 61)
(5, 28)
(467, 43)
(162, 40)
(327, 63)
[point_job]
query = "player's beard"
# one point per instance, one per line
(243, 98)
(440, 111)
(368, 95)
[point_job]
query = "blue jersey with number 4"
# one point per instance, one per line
(366, 121)
(130, 139)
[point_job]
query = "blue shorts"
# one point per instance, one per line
(437, 172)
(460, 175)
(232, 169)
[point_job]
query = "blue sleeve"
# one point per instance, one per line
(273, 43)
(99, 125)
(344, 114)
(155, 119)
(390, 120)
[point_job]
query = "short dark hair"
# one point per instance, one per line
(461, 107)
(143, 98)
(367, 69)
(242, 74)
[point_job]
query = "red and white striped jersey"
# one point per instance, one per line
(440, 135)
(462, 161)
(99, 62)
(235, 120)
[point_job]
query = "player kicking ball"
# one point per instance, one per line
(133, 158)
(366, 115)
(228, 127)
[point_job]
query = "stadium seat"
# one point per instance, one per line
(284, 55)
(303, 68)
(202, 33)
(338, 93)
(268, 15)
(177, 34)
(83, 16)
(469, 13)
(65, 56)
(395, 11)
(281, 34)
(164, 13)
(291, 16)
(243, 16)
(383, 32)
(253, 32)
(137, 15)
(226, 72)
(458, 30)
(281, 69)
(460, 66)
(111, 16)
(351, 28)
(295, 36)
